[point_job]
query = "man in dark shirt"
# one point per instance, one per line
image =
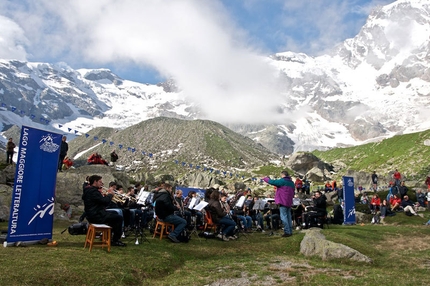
(63, 152)
(95, 208)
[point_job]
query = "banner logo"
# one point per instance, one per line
(41, 210)
(48, 144)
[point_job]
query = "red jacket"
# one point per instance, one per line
(394, 201)
(375, 201)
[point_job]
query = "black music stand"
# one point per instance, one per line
(271, 233)
(194, 223)
(138, 231)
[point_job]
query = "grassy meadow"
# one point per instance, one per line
(400, 251)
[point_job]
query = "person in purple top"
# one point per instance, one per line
(284, 198)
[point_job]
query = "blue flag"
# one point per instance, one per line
(32, 207)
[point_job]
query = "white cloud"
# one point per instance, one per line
(12, 40)
(192, 41)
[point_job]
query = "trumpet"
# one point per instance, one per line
(117, 198)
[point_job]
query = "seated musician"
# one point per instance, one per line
(257, 209)
(297, 211)
(221, 216)
(272, 215)
(239, 211)
(137, 216)
(95, 204)
(165, 210)
(197, 214)
(182, 212)
(319, 209)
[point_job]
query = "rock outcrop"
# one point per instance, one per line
(315, 244)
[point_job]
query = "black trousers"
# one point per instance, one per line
(9, 156)
(113, 220)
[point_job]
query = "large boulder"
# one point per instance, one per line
(307, 164)
(315, 244)
(5, 201)
(200, 180)
(7, 175)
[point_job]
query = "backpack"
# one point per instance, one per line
(376, 219)
(184, 236)
(78, 228)
(408, 213)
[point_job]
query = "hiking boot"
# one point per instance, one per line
(173, 239)
(286, 235)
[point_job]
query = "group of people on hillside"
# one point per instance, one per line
(65, 162)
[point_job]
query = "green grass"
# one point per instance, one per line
(401, 247)
(406, 152)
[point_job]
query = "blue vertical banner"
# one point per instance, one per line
(32, 207)
(349, 200)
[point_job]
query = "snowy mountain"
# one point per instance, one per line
(372, 86)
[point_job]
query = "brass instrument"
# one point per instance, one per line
(117, 198)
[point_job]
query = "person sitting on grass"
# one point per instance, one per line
(395, 202)
(408, 206)
(375, 204)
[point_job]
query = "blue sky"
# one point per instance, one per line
(148, 41)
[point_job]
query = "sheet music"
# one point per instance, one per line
(142, 197)
(200, 206)
(192, 203)
(240, 202)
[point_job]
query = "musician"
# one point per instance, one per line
(239, 211)
(221, 216)
(165, 211)
(247, 204)
(133, 208)
(182, 212)
(95, 204)
(319, 208)
(187, 201)
(272, 215)
(297, 210)
(284, 198)
(257, 208)
(137, 188)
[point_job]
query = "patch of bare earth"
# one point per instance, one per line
(283, 271)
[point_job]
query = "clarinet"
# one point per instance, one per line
(225, 209)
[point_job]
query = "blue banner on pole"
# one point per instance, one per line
(349, 200)
(32, 208)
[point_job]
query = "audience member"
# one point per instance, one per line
(10, 149)
(375, 204)
(408, 205)
(64, 147)
(395, 203)
(375, 181)
(397, 177)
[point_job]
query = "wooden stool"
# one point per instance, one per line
(163, 228)
(104, 229)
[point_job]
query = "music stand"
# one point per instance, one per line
(138, 230)
(271, 206)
